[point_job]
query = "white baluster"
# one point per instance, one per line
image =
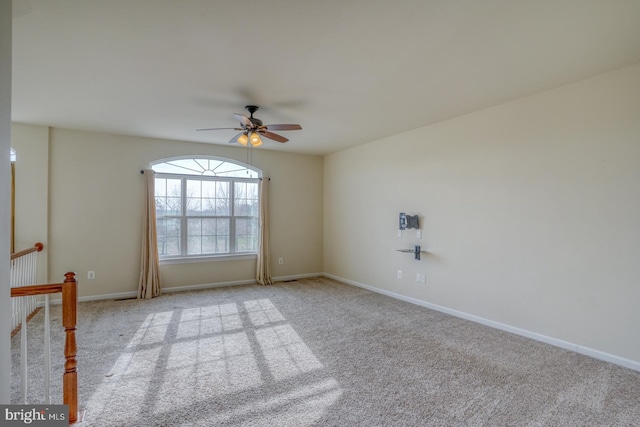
(47, 352)
(23, 350)
(23, 272)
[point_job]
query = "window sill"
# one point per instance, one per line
(214, 258)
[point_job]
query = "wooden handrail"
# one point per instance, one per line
(25, 291)
(37, 247)
(69, 289)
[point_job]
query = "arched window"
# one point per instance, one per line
(206, 207)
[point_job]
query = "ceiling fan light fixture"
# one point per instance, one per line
(243, 139)
(255, 140)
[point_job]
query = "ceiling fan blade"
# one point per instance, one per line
(235, 138)
(244, 120)
(272, 135)
(283, 127)
(218, 129)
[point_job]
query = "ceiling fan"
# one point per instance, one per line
(252, 128)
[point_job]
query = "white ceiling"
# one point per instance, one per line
(349, 71)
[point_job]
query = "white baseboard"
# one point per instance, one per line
(236, 283)
(120, 295)
(208, 286)
(596, 354)
(133, 294)
(296, 277)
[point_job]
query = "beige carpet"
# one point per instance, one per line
(319, 352)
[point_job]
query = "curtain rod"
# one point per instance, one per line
(142, 172)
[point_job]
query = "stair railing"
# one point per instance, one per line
(69, 290)
(23, 271)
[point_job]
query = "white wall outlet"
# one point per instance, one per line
(423, 279)
(418, 277)
(419, 234)
(91, 275)
(280, 260)
(399, 233)
(399, 274)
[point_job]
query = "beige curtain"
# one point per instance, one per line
(13, 207)
(149, 285)
(263, 270)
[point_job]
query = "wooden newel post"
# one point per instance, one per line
(69, 320)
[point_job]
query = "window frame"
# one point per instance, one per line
(233, 253)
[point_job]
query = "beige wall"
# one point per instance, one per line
(5, 196)
(531, 210)
(32, 180)
(95, 206)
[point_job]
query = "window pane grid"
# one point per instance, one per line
(246, 237)
(208, 236)
(168, 193)
(246, 199)
(206, 215)
(168, 231)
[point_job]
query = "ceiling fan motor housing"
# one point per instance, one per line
(252, 109)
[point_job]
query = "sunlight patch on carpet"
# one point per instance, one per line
(199, 354)
(152, 330)
(285, 353)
